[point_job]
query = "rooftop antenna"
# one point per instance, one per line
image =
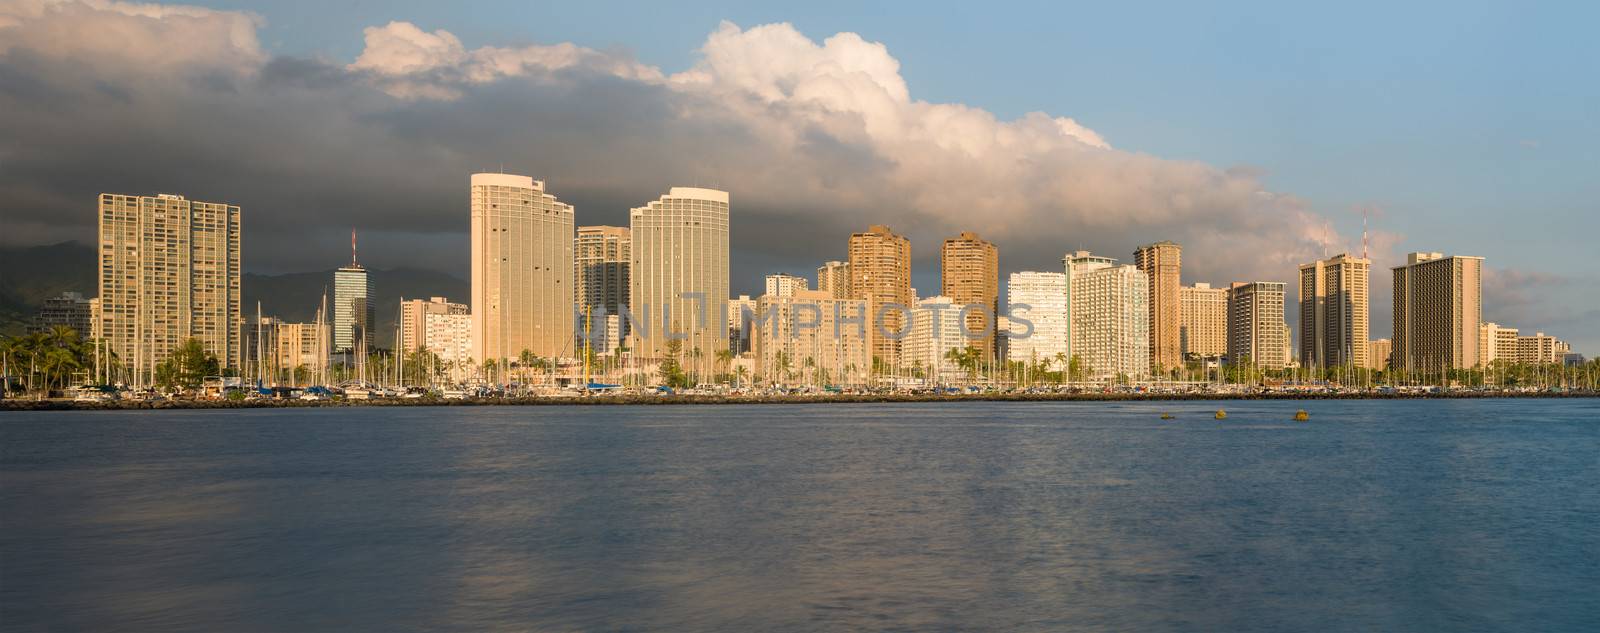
(1364, 232)
(353, 247)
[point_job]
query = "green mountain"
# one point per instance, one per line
(29, 275)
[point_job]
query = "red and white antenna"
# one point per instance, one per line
(353, 246)
(1364, 232)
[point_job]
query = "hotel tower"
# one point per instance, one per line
(522, 291)
(1333, 312)
(969, 274)
(1162, 264)
(1438, 307)
(880, 274)
(679, 280)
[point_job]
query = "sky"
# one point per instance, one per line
(1256, 134)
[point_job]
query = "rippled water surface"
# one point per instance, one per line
(1397, 516)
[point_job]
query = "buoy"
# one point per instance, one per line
(1302, 416)
(1166, 416)
(1222, 415)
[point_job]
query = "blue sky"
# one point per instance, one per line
(1455, 119)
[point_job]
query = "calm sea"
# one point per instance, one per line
(1375, 516)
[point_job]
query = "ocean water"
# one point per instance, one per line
(1460, 515)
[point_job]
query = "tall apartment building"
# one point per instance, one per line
(1045, 294)
(1257, 331)
(880, 274)
(834, 278)
(935, 331)
(1334, 312)
(522, 267)
(169, 271)
(1109, 316)
(833, 351)
(1378, 353)
(601, 257)
(352, 305)
(1162, 264)
(738, 332)
(1438, 307)
(1203, 329)
(680, 273)
(783, 285)
(969, 273)
(71, 310)
(302, 348)
(1496, 342)
(1540, 349)
(414, 322)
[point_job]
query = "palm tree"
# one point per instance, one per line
(526, 359)
(724, 357)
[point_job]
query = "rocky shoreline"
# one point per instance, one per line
(71, 405)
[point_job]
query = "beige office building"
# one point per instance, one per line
(880, 274)
(1437, 310)
(1162, 264)
(1540, 349)
(1497, 342)
(1257, 331)
(834, 278)
(1108, 316)
(680, 275)
(601, 256)
(1334, 312)
(414, 315)
(789, 349)
(522, 267)
(1203, 329)
(969, 274)
(1378, 353)
(169, 271)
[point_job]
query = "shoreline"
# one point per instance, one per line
(73, 405)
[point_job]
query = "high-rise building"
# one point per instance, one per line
(169, 271)
(1496, 342)
(414, 315)
(71, 310)
(680, 275)
(1437, 309)
(522, 267)
(302, 349)
(969, 272)
(1045, 294)
(601, 257)
(788, 349)
(880, 274)
(1378, 352)
(738, 333)
(935, 331)
(1162, 264)
(834, 278)
(1333, 312)
(1109, 316)
(1540, 349)
(1257, 331)
(784, 285)
(352, 305)
(1203, 332)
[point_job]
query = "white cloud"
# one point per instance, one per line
(132, 35)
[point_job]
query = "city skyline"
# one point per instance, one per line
(1533, 289)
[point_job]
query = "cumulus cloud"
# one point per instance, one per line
(814, 139)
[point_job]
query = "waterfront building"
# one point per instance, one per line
(833, 277)
(787, 350)
(1334, 312)
(168, 271)
(1203, 329)
(680, 275)
(69, 309)
(1378, 353)
(1045, 294)
(1437, 310)
(935, 331)
(1162, 264)
(969, 273)
(784, 285)
(352, 305)
(1540, 349)
(880, 274)
(1497, 343)
(1108, 316)
(302, 350)
(738, 332)
(601, 258)
(443, 327)
(522, 268)
(1258, 334)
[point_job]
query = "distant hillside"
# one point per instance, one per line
(29, 275)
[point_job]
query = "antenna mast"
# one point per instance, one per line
(1364, 232)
